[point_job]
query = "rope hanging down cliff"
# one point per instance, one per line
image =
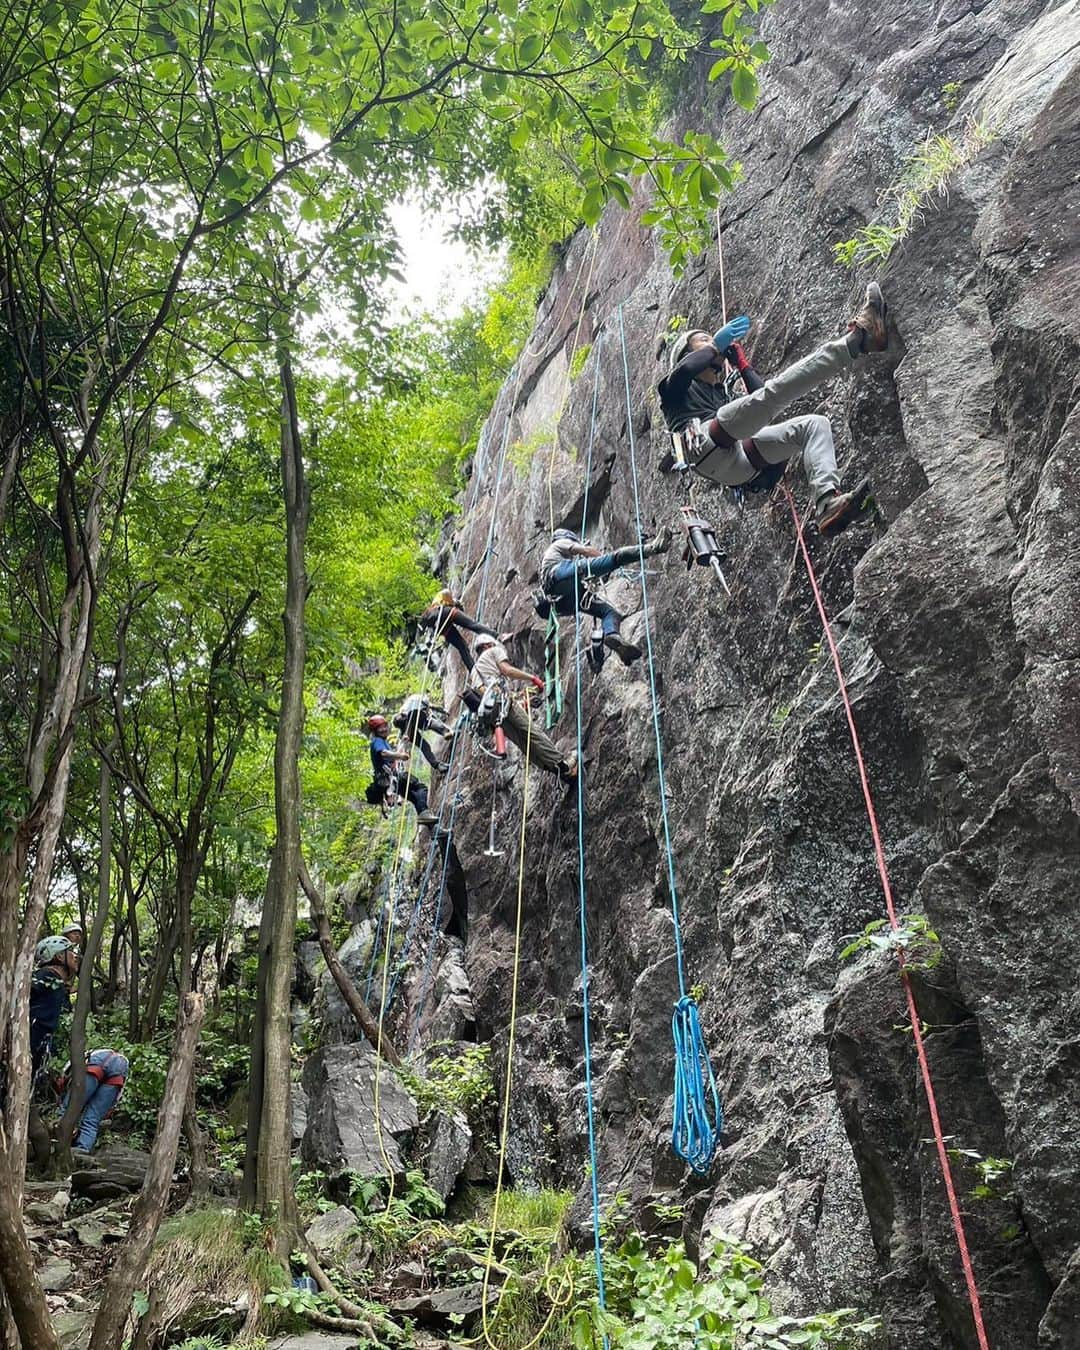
(894, 924)
(698, 1117)
(594, 1179)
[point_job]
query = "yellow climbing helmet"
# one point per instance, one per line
(443, 597)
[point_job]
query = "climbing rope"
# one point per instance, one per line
(565, 1290)
(591, 255)
(894, 924)
(695, 1135)
(594, 1180)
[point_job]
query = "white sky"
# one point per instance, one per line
(441, 275)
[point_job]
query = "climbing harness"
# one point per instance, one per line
(491, 713)
(895, 926)
(701, 545)
(695, 1136)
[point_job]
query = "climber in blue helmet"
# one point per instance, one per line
(569, 562)
(735, 441)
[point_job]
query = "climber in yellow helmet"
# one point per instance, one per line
(446, 617)
(736, 442)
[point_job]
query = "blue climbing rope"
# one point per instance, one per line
(694, 1134)
(590, 1108)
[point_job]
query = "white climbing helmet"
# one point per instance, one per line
(48, 949)
(680, 345)
(483, 641)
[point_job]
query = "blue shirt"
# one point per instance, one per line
(380, 746)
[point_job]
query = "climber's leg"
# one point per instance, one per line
(611, 622)
(542, 749)
(813, 436)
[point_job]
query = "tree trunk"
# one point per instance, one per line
(129, 1267)
(159, 979)
(26, 1302)
(270, 1072)
(368, 1025)
(77, 1083)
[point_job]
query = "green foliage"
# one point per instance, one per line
(952, 93)
(924, 179)
(461, 1080)
(579, 358)
(915, 938)
(990, 1171)
(660, 1302)
(535, 1213)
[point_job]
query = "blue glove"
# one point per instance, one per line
(731, 332)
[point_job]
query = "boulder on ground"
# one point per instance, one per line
(445, 1149)
(341, 1130)
(332, 1230)
(446, 1310)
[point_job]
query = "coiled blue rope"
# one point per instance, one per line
(691, 1096)
(694, 1130)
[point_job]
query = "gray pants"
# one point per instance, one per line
(542, 749)
(751, 416)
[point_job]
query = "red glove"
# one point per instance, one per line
(737, 356)
(537, 682)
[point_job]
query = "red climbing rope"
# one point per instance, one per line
(894, 922)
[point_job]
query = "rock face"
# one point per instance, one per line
(341, 1129)
(958, 618)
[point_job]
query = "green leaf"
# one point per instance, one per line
(744, 87)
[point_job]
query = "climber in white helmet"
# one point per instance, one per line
(735, 442)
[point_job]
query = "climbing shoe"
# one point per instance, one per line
(627, 652)
(660, 544)
(836, 510)
(871, 323)
(427, 818)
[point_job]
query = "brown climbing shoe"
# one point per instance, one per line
(836, 510)
(871, 322)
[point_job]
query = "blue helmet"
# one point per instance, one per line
(565, 534)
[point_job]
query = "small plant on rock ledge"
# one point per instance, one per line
(915, 938)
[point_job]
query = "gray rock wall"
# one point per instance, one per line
(958, 624)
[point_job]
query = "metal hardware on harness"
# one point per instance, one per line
(686, 447)
(491, 851)
(701, 545)
(490, 714)
(596, 652)
(553, 700)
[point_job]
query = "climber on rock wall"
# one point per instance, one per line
(383, 760)
(733, 442)
(416, 717)
(568, 563)
(492, 667)
(446, 617)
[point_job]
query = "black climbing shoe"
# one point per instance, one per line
(871, 322)
(836, 510)
(427, 818)
(627, 652)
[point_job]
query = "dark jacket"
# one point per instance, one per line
(683, 396)
(50, 999)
